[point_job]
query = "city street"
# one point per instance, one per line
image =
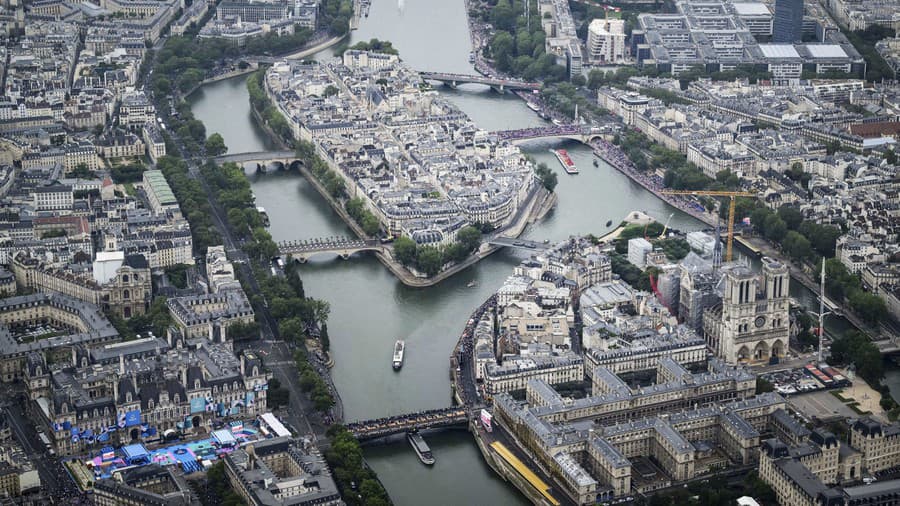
(54, 478)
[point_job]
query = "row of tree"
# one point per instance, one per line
(186, 61)
(842, 285)
(801, 239)
(335, 16)
(264, 107)
(358, 484)
(356, 208)
(192, 201)
(855, 348)
(518, 44)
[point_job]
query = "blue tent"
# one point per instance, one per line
(136, 454)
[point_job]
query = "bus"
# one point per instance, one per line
(47, 444)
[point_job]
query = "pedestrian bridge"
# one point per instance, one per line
(400, 424)
(580, 133)
(501, 85)
(343, 247)
(280, 159)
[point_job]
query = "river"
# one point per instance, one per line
(370, 309)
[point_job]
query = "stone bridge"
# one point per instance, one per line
(400, 424)
(282, 160)
(580, 133)
(500, 85)
(517, 243)
(343, 247)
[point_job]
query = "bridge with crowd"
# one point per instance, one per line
(303, 250)
(400, 424)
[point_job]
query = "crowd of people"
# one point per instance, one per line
(650, 181)
(419, 418)
(466, 387)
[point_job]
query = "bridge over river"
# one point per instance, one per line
(343, 247)
(260, 158)
(498, 84)
(400, 424)
(580, 133)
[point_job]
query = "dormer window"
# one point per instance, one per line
(128, 397)
(196, 384)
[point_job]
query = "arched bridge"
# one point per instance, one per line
(432, 419)
(261, 158)
(518, 243)
(341, 246)
(498, 84)
(583, 134)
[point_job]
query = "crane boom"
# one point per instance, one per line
(718, 193)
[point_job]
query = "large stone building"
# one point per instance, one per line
(606, 41)
(124, 287)
(124, 390)
(47, 324)
(281, 472)
(152, 485)
(602, 461)
(751, 323)
(203, 315)
(813, 472)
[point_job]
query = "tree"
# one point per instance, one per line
(215, 145)
(547, 176)
(331, 90)
(469, 237)
(405, 250)
(323, 337)
(791, 216)
(775, 228)
(795, 172)
(796, 246)
(430, 260)
(868, 306)
(177, 275)
(82, 171)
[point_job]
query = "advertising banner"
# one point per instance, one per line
(198, 405)
(133, 418)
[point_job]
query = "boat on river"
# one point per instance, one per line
(472, 284)
(534, 107)
(563, 156)
(421, 448)
(399, 348)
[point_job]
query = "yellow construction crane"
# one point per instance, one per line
(711, 193)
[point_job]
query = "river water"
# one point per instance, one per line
(370, 309)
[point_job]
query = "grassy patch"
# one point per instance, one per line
(855, 407)
(837, 394)
(129, 189)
